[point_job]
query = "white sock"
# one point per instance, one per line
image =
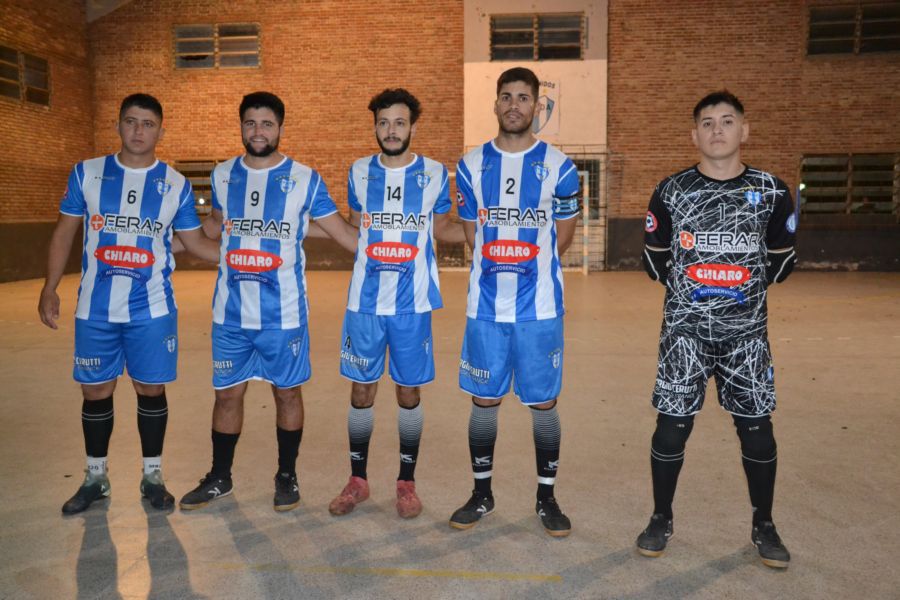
(152, 463)
(96, 465)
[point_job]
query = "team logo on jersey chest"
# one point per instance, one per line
(163, 186)
(423, 179)
(754, 197)
(286, 183)
(541, 170)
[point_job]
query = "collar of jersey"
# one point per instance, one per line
(515, 154)
(708, 178)
(132, 169)
(281, 162)
(386, 168)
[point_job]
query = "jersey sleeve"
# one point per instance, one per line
(565, 197)
(216, 203)
(442, 204)
(658, 224)
(322, 204)
(465, 194)
(186, 217)
(72, 202)
(352, 199)
(782, 229)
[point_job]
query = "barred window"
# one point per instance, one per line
(850, 184)
(24, 76)
(854, 28)
(224, 46)
(198, 173)
(538, 37)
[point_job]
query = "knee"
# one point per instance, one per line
(757, 437)
(230, 398)
(544, 405)
(287, 396)
(672, 433)
(362, 395)
(145, 389)
(408, 397)
(486, 402)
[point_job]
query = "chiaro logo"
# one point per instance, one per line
(719, 275)
(393, 252)
(509, 251)
(252, 261)
(124, 256)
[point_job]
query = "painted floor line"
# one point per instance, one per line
(389, 572)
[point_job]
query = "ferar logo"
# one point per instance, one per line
(719, 275)
(124, 256)
(509, 251)
(252, 261)
(392, 252)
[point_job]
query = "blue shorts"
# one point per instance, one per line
(279, 356)
(148, 347)
(529, 353)
(365, 337)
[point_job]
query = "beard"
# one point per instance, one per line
(266, 150)
(404, 145)
(516, 130)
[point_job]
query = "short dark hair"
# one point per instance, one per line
(390, 97)
(720, 97)
(263, 100)
(145, 101)
(519, 74)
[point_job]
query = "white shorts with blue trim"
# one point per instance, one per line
(528, 354)
(407, 337)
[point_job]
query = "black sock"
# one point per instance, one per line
(409, 424)
(223, 452)
(666, 459)
(547, 435)
(360, 422)
(152, 416)
(97, 425)
(759, 456)
(288, 448)
(482, 437)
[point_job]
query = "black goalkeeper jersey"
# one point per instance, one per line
(719, 233)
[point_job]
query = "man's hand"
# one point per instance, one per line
(446, 230)
(48, 307)
(198, 244)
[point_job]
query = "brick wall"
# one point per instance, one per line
(42, 143)
(324, 58)
(663, 57)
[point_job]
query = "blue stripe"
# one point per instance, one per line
(237, 189)
(529, 197)
(413, 199)
(374, 203)
(85, 227)
(110, 196)
(274, 208)
(491, 164)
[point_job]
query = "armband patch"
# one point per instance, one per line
(566, 206)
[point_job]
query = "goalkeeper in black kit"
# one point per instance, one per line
(717, 235)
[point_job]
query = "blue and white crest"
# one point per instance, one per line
(287, 184)
(791, 223)
(754, 197)
(295, 345)
(171, 343)
(541, 171)
(556, 358)
(163, 187)
(423, 179)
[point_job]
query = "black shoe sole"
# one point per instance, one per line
(464, 526)
(184, 506)
(286, 507)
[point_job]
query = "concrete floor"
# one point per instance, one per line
(836, 342)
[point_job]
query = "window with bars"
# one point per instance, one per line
(850, 184)
(198, 173)
(24, 76)
(223, 46)
(538, 37)
(854, 29)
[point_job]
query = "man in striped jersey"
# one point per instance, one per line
(128, 206)
(262, 205)
(398, 199)
(518, 199)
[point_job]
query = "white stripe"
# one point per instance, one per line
(291, 251)
(219, 177)
(359, 172)
(544, 293)
(473, 161)
(483, 475)
(547, 480)
(90, 190)
(119, 309)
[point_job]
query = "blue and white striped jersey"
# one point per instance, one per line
(514, 199)
(262, 278)
(395, 270)
(129, 216)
